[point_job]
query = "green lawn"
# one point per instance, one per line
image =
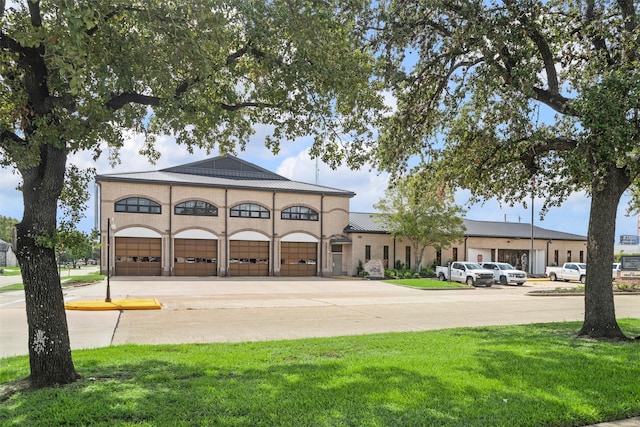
(534, 375)
(427, 283)
(66, 281)
(10, 271)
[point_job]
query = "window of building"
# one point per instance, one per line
(454, 254)
(568, 256)
(385, 256)
(301, 213)
(367, 253)
(556, 257)
(438, 257)
(137, 205)
(407, 257)
(581, 256)
(336, 248)
(249, 210)
(195, 207)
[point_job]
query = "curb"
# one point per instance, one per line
(97, 305)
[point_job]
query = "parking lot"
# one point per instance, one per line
(249, 309)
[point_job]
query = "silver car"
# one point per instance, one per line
(505, 274)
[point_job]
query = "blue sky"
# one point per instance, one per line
(294, 163)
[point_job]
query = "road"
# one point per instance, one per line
(233, 310)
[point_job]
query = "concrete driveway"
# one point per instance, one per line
(252, 309)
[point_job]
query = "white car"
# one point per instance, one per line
(505, 274)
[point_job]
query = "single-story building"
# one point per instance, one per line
(7, 256)
(483, 241)
(226, 217)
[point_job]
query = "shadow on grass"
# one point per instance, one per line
(472, 377)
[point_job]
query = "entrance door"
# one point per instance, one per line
(337, 265)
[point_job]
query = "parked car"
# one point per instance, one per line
(616, 269)
(466, 272)
(569, 271)
(505, 273)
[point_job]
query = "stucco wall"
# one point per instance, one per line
(333, 217)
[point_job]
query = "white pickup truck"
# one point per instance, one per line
(505, 273)
(466, 272)
(569, 271)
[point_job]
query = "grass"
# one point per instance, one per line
(533, 375)
(10, 271)
(427, 283)
(66, 281)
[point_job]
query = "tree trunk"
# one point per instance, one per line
(599, 314)
(49, 347)
(418, 250)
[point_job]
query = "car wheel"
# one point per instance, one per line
(470, 281)
(442, 278)
(503, 280)
(553, 277)
(583, 279)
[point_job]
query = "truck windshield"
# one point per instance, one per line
(505, 266)
(472, 266)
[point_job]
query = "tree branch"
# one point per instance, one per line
(629, 13)
(34, 12)
(8, 135)
(555, 101)
(249, 104)
(111, 15)
(119, 101)
(598, 41)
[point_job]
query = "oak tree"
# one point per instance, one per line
(83, 75)
(513, 98)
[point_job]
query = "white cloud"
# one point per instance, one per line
(11, 204)
(368, 185)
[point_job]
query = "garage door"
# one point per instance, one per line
(248, 258)
(138, 256)
(195, 257)
(298, 259)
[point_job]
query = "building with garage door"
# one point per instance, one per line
(227, 217)
(221, 216)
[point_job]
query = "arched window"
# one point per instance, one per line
(300, 213)
(249, 210)
(137, 205)
(195, 207)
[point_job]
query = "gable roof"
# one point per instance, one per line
(4, 246)
(223, 172)
(360, 222)
(226, 167)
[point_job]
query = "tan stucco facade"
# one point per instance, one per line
(477, 249)
(333, 216)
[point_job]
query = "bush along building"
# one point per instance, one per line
(226, 217)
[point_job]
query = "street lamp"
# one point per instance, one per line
(110, 225)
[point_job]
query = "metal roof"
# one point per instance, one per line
(223, 172)
(226, 167)
(4, 246)
(364, 223)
